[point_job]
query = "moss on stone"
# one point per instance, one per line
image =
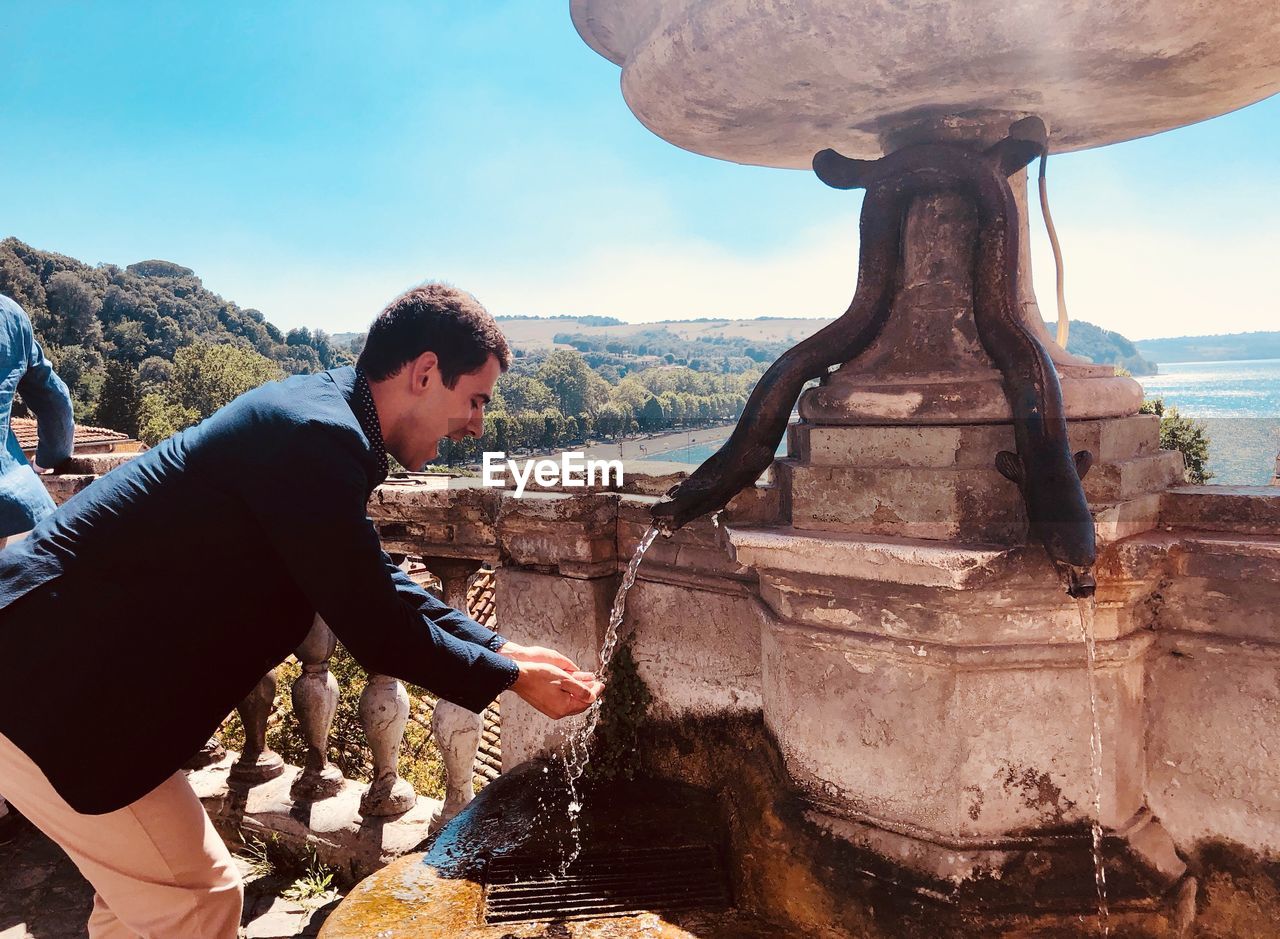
(615, 747)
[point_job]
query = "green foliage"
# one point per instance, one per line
(159, 418)
(88, 317)
(651, 416)
(120, 401)
(207, 376)
(259, 855)
(1183, 434)
(314, 885)
(202, 379)
(615, 746)
(576, 388)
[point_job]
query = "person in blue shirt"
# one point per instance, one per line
(24, 501)
(25, 371)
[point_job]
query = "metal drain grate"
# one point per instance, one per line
(614, 883)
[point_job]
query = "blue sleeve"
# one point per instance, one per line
(44, 393)
(446, 617)
(309, 499)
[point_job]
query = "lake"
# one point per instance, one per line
(1239, 403)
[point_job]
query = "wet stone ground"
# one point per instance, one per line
(43, 896)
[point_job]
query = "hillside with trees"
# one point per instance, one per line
(1232, 347)
(147, 349)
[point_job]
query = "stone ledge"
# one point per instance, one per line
(335, 828)
(914, 561)
(1253, 510)
(1111, 653)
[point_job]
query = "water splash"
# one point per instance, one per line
(576, 752)
(1087, 608)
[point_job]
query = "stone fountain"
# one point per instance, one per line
(866, 676)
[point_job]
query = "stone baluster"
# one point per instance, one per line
(457, 734)
(455, 729)
(384, 711)
(315, 700)
(257, 762)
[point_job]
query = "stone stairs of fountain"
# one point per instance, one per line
(939, 482)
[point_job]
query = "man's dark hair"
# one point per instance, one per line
(433, 318)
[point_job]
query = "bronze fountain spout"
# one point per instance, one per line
(1047, 473)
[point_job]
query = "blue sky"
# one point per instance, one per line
(313, 161)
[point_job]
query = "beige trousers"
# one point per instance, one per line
(159, 868)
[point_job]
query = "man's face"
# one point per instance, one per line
(455, 412)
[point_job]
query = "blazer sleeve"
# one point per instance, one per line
(452, 621)
(45, 394)
(310, 501)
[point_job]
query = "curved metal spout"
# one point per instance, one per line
(1079, 581)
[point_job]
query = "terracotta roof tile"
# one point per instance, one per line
(24, 428)
(480, 602)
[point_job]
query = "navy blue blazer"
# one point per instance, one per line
(136, 617)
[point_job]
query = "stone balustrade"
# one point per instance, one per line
(255, 793)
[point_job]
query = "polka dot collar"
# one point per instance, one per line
(367, 414)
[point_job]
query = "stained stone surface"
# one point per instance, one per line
(771, 82)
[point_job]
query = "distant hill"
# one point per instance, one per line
(1106, 347)
(1221, 348)
(762, 339)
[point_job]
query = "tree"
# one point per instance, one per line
(120, 404)
(73, 308)
(159, 418)
(522, 393)
(651, 416)
(568, 376)
(612, 419)
(207, 376)
(1185, 435)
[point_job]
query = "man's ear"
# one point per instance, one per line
(423, 370)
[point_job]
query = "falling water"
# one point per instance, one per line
(1086, 606)
(576, 751)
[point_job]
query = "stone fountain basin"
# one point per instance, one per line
(441, 894)
(771, 82)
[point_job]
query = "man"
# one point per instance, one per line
(23, 499)
(134, 619)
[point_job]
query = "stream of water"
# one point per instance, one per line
(1087, 607)
(576, 753)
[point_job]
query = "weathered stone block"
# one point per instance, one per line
(968, 445)
(697, 648)
(958, 504)
(568, 614)
(971, 744)
(1214, 706)
(1250, 510)
(1155, 472)
(576, 534)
